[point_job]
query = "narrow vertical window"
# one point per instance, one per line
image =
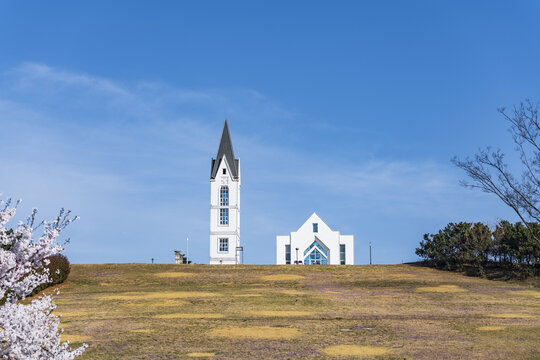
(224, 196)
(224, 171)
(288, 254)
(315, 227)
(224, 216)
(223, 245)
(342, 254)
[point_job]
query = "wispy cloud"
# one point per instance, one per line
(133, 160)
(29, 72)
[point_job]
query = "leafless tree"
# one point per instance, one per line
(489, 172)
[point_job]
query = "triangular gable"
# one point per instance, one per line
(314, 218)
(317, 244)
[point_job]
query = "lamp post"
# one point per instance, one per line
(370, 253)
(240, 249)
(152, 260)
(296, 256)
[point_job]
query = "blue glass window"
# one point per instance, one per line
(315, 254)
(315, 227)
(224, 196)
(224, 245)
(224, 216)
(318, 245)
(287, 254)
(315, 258)
(342, 254)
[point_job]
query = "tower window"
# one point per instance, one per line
(287, 254)
(342, 254)
(224, 171)
(315, 227)
(223, 245)
(224, 216)
(224, 196)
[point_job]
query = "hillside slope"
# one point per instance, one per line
(145, 311)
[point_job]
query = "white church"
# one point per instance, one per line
(314, 243)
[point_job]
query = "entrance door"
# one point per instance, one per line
(315, 257)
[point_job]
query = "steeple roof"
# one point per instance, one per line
(225, 149)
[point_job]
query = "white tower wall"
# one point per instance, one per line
(227, 175)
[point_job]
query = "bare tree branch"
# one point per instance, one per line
(489, 172)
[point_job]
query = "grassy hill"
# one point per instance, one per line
(158, 311)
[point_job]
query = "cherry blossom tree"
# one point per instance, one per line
(29, 331)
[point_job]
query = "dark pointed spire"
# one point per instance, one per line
(225, 149)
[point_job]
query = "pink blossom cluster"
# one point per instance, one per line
(29, 331)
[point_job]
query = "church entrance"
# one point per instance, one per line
(316, 254)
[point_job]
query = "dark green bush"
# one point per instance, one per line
(59, 269)
(473, 246)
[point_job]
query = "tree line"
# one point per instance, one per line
(475, 245)
(515, 246)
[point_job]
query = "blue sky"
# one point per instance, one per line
(350, 109)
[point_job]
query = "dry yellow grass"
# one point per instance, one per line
(281, 313)
(257, 332)
(403, 276)
(333, 292)
(72, 314)
(490, 328)
(200, 354)
(511, 316)
(173, 274)
(189, 316)
(159, 295)
(441, 289)
(282, 277)
(247, 295)
(293, 292)
(63, 301)
(109, 284)
(532, 293)
(355, 350)
(74, 338)
(142, 331)
(154, 303)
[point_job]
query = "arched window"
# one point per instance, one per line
(224, 196)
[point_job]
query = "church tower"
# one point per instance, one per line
(225, 203)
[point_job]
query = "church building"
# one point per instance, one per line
(225, 204)
(315, 243)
